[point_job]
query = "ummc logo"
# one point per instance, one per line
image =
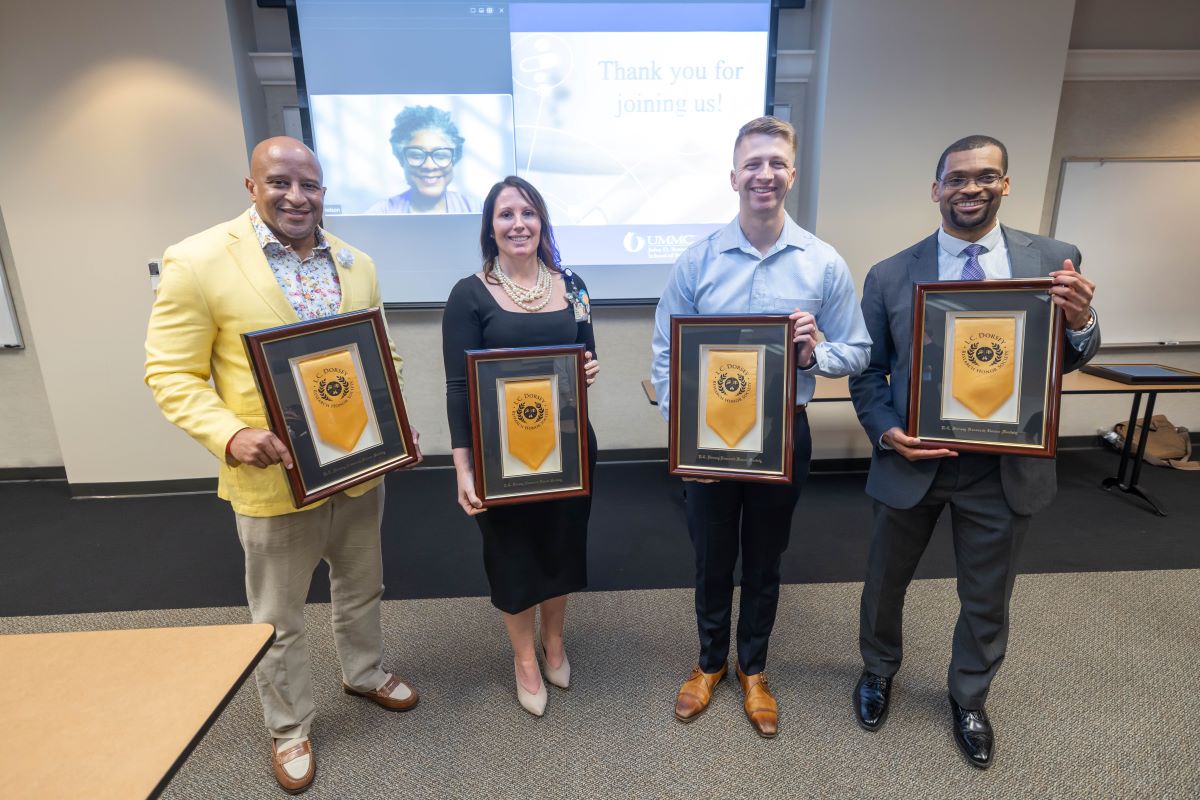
(658, 245)
(634, 243)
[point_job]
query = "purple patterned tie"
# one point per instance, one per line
(971, 270)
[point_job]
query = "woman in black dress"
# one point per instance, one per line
(534, 553)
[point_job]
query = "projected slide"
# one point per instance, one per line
(629, 134)
(623, 114)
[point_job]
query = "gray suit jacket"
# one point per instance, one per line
(1029, 483)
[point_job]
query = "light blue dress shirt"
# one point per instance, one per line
(725, 274)
(996, 266)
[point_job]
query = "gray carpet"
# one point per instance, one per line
(1098, 698)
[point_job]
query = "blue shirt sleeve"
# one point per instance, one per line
(847, 346)
(678, 297)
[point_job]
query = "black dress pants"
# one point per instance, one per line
(758, 517)
(987, 539)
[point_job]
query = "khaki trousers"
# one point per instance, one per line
(281, 554)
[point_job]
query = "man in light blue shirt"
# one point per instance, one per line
(991, 497)
(760, 263)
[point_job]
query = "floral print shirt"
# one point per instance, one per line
(310, 285)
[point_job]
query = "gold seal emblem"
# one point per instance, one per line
(333, 388)
(985, 353)
(529, 411)
(731, 383)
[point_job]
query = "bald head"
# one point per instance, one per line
(271, 150)
(285, 185)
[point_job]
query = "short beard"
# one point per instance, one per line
(964, 225)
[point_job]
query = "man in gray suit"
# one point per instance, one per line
(991, 497)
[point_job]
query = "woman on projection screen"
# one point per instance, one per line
(427, 144)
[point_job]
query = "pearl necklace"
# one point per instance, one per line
(533, 298)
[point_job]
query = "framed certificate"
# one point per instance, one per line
(528, 423)
(733, 397)
(986, 366)
(332, 397)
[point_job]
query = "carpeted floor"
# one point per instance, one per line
(1096, 700)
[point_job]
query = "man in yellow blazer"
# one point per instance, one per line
(270, 266)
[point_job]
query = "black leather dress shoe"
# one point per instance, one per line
(871, 697)
(973, 735)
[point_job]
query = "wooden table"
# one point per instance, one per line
(113, 714)
(837, 389)
(1083, 383)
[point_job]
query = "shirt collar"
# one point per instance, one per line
(954, 246)
(266, 237)
(734, 238)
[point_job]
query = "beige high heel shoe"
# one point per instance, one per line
(533, 702)
(560, 677)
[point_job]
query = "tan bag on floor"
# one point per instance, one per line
(1167, 445)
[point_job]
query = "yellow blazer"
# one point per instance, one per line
(216, 286)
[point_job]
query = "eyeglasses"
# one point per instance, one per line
(986, 181)
(440, 156)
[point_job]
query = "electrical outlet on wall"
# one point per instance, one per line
(155, 267)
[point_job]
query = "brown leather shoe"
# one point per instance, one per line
(280, 758)
(696, 691)
(383, 695)
(760, 703)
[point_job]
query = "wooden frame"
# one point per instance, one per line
(500, 477)
(1027, 421)
(322, 469)
(693, 451)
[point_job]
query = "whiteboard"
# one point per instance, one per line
(10, 334)
(1136, 223)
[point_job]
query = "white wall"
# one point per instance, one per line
(1143, 25)
(122, 133)
(1123, 119)
(905, 80)
(1135, 119)
(124, 138)
(902, 81)
(1131, 118)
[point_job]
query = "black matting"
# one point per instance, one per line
(63, 556)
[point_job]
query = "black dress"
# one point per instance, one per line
(531, 551)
